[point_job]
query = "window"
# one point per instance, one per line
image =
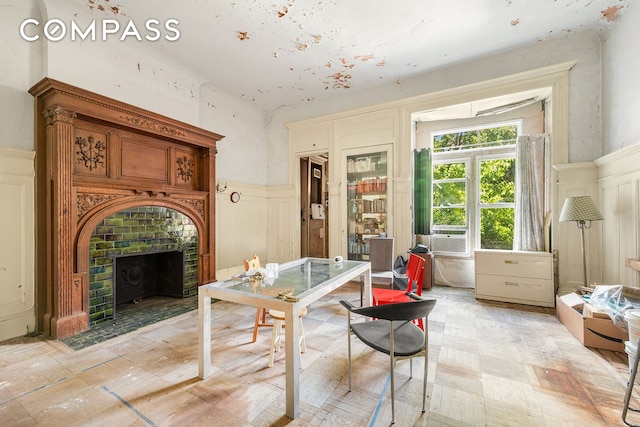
(496, 202)
(472, 188)
(450, 194)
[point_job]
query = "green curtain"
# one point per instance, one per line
(422, 191)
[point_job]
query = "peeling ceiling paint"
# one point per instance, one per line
(286, 53)
(611, 13)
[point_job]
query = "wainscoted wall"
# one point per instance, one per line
(613, 182)
(619, 194)
(575, 179)
(17, 266)
(241, 228)
(263, 223)
(282, 213)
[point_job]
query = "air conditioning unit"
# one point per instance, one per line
(453, 243)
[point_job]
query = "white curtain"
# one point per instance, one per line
(529, 216)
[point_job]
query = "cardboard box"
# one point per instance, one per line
(596, 332)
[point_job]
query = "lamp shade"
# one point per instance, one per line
(579, 208)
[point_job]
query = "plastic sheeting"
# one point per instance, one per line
(615, 300)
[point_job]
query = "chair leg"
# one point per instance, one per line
(426, 369)
(302, 344)
(275, 341)
(627, 396)
(349, 345)
(393, 387)
(424, 383)
(261, 320)
(392, 352)
(303, 341)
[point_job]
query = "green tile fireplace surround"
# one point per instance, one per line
(142, 230)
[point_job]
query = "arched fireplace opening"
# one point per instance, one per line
(141, 252)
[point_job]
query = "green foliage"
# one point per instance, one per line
(497, 181)
(496, 228)
(449, 216)
(477, 138)
(449, 171)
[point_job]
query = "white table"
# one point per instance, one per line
(310, 279)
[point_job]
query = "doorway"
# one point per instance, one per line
(314, 220)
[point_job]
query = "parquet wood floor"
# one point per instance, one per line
(490, 364)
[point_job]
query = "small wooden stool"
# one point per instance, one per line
(276, 334)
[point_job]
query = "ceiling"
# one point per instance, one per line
(285, 53)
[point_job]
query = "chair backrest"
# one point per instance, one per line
(252, 263)
(411, 310)
(415, 273)
(381, 253)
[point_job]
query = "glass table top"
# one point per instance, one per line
(299, 276)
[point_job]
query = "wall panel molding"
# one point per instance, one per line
(619, 190)
(17, 260)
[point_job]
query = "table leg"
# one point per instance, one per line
(204, 335)
(368, 296)
(292, 360)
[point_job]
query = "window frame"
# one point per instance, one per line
(472, 156)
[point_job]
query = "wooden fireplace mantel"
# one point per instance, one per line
(96, 156)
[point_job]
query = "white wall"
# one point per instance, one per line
(619, 170)
(619, 197)
(242, 154)
(125, 71)
(20, 67)
(621, 85)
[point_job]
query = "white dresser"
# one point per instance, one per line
(512, 276)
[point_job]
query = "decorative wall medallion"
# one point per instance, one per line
(155, 126)
(90, 152)
(185, 168)
(86, 202)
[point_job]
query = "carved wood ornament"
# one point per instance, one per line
(97, 156)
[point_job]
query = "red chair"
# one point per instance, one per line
(415, 275)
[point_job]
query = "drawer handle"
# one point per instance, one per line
(511, 284)
(508, 261)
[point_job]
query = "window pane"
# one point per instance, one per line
(496, 228)
(449, 193)
(449, 216)
(449, 171)
(497, 181)
(475, 138)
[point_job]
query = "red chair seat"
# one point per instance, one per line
(389, 296)
(415, 270)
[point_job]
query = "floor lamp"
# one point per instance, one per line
(582, 210)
